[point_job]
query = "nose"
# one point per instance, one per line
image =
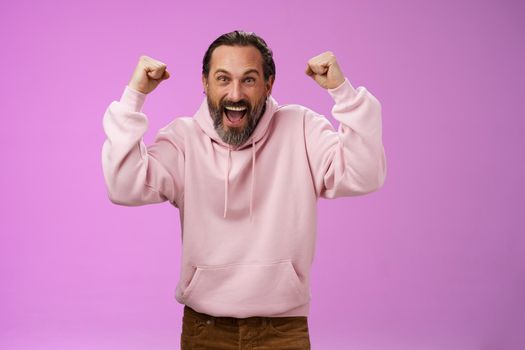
(235, 93)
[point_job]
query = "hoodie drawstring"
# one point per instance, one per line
(226, 180)
(253, 178)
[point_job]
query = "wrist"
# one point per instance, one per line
(133, 99)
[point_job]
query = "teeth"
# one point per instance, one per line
(236, 108)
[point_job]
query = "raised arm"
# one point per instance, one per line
(350, 161)
(136, 174)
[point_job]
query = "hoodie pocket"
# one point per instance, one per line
(244, 290)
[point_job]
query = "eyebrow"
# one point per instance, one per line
(253, 70)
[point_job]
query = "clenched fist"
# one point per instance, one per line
(325, 71)
(148, 74)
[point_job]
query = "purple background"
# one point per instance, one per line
(434, 260)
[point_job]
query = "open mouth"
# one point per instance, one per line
(235, 115)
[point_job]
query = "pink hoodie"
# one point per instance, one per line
(248, 214)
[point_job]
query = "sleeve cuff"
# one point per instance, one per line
(133, 99)
(344, 92)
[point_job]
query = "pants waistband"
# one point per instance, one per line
(234, 321)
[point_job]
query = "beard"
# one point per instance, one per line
(236, 135)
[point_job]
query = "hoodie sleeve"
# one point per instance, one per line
(350, 161)
(136, 174)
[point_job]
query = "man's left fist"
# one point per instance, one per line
(325, 71)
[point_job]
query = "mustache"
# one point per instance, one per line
(242, 103)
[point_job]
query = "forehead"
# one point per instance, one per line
(235, 59)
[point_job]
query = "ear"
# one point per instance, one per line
(205, 83)
(269, 84)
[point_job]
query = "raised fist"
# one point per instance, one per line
(148, 74)
(325, 71)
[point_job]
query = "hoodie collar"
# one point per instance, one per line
(205, 122)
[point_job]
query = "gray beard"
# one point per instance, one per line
(237, 136)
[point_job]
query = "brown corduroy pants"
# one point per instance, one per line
(205, 332)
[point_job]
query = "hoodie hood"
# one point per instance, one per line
(205, 122)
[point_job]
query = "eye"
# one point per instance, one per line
(222, 78)
(249, 80)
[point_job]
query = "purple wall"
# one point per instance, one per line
(434, 260)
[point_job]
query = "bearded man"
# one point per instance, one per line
(245, 174)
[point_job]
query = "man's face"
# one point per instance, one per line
(236, 91)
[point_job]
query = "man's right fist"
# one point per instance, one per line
(148, 74)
